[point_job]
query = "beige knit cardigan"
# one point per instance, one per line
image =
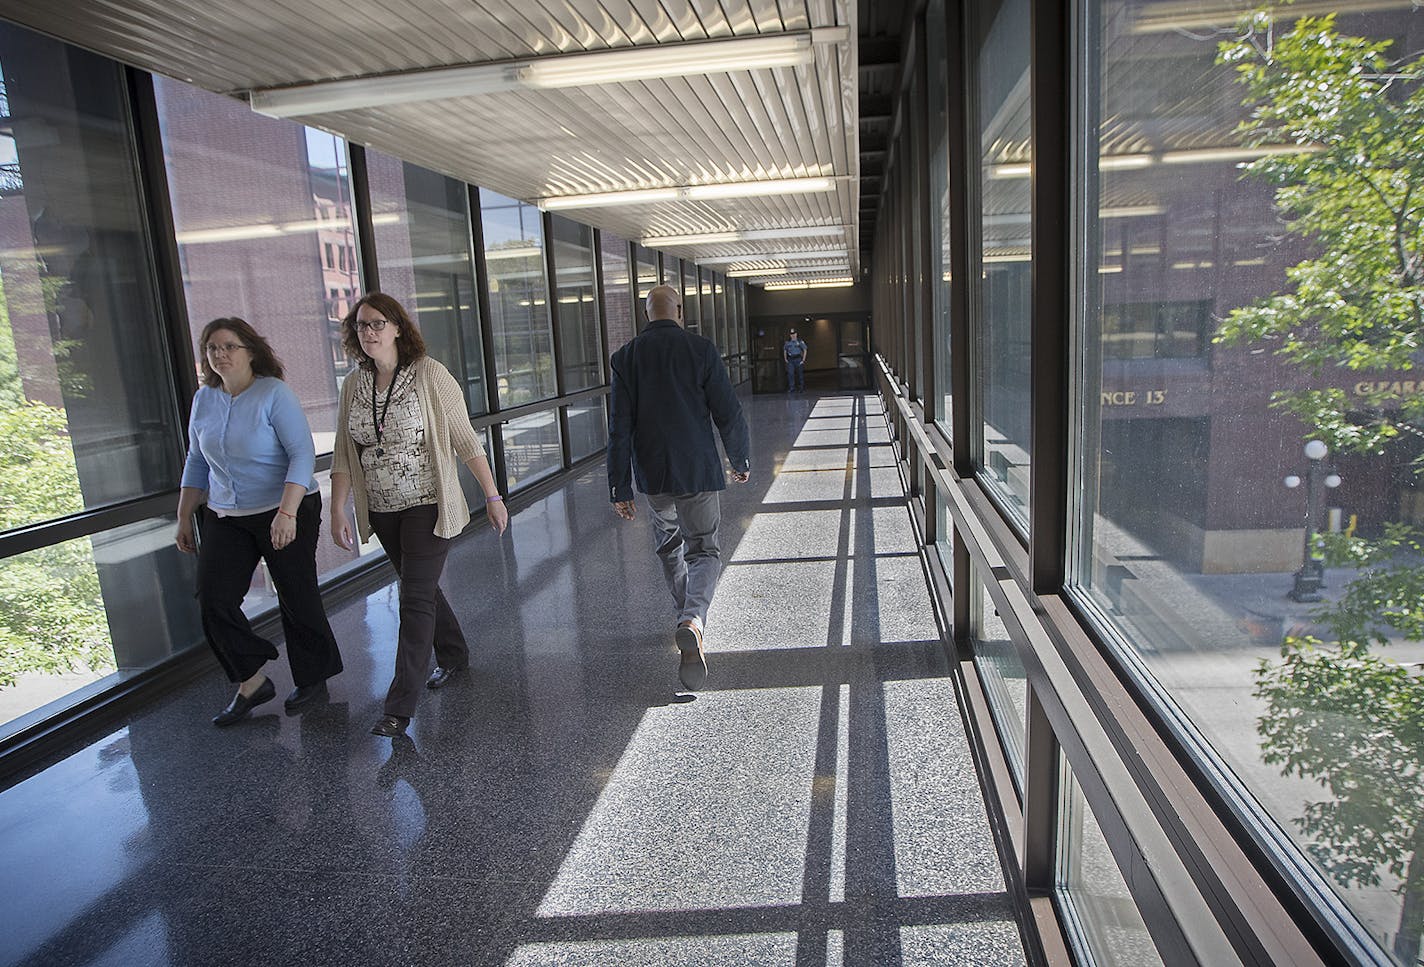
(448, 434)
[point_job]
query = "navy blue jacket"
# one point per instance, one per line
(669, 386)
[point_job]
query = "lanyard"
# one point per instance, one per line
(379, 422)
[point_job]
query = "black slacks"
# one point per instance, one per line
(426, 622)
(227, 555)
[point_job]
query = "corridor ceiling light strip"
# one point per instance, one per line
(749, 235)
(829, 253)
(587, 68)
(813, 284)
(755, 273)
(1184, 156)
(643, 196)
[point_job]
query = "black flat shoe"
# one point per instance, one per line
(304, 695)
(442, 676)
(238, 708)
(390, 725)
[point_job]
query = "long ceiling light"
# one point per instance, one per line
(830, 253)
(748, 235)
(810, 284)
(583, 69)
(643, 196)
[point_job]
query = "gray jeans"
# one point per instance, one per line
(685, 532)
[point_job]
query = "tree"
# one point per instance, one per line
(51, 609)
(1340, 712)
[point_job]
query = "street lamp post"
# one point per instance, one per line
(1311, 576)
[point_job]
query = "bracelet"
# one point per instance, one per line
(285, 514)
(490, 500)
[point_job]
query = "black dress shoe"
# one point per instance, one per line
(390, 725)
(442, 676)
(238, 708)
(304, 695)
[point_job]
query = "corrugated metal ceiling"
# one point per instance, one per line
(765, 123)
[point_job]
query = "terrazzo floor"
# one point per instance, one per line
(816, 804)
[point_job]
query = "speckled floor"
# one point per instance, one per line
(815, 805)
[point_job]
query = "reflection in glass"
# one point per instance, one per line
(588, 429)
(1098, 909)
(1006, 153)
(1216, 342)
(532, 448)
(617, 290)
(276, 245)
(86, 418)
(1000, 671)
(645, 263)
(711, 325)
(73, 613)
(422, 228)
(519, 300)
(691, 304)
(577, 308)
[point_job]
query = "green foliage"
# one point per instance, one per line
(52, 615)
(1354, 722)
(1353, 188)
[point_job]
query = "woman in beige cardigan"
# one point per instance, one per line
(401, 426)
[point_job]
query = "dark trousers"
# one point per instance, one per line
(795, 374)
(227, 555)
(426, 621)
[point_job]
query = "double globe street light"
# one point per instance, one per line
(1311, 576)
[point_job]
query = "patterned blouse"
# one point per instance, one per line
(397, 468)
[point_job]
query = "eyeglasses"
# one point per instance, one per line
(375, 325)
(226, 349)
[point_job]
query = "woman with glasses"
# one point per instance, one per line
(401, 428)
(250, 452)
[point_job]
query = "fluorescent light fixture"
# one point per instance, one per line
(1132, 211)
(644, 196)
(829, 253)
(233, 234)
(753, 273)
(810, 284)
(554, 71)
(1109, 269)
(1010, 171)
(501, 254)
(748, 235)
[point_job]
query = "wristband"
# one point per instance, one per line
(490, 500)
(285, 514)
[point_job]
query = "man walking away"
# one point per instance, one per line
(669, 386)
(794, 352)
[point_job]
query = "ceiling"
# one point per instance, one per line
(719, 128)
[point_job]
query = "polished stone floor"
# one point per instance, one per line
(565, 804)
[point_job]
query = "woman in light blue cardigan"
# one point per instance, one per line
(250, 453)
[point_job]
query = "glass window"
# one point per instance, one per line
(1000, 671)
(617, 290)
(708, 307)
(87, 416)
(691, 306)
(1249, 503)
(532, 448)
(1103, 923)
(422, 228)
(577, 306)
(938, 89)
(645, 263)
(519, 300)
(1005, 299)
(672, 270)
(255, 249)
(588, 429)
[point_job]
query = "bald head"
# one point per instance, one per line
(664, 302)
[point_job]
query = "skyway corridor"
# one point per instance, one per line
(816, 805)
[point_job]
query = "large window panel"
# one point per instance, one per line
(1103, 922)
(86, 410)
(577, 304)
(708, 307)
(519, 321)
(691, 303)
(262, 209)
(1248, 428)
(422, 228)
(645, 267)
(1006, 253)
(532, 448)
(1000, 670)
(939, 224)
(588, 428)
(617, 290)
